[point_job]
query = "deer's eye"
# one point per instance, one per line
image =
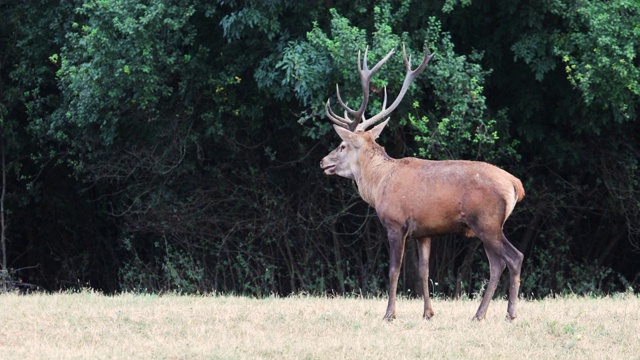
(342, 147)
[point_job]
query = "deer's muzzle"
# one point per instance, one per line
(329, 169)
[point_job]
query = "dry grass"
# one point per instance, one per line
(89, 325)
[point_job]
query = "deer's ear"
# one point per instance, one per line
(376, 130)
(344, 134)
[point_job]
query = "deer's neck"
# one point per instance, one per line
(374, 167)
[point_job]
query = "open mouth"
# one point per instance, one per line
(329, 170)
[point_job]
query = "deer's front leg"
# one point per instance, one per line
(396, 252)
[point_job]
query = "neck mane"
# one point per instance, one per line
(374, 166)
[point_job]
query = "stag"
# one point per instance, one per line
(420, 199)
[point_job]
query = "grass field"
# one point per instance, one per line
(88, 325)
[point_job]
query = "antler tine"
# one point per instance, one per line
(425, 60)
(366, 75)
(384, 100)
(357, 114)
(343, 122)
(409, 77)
(343, 104)
(380, 63)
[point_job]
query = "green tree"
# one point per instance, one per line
(173, 146)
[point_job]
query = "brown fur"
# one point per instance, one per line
(419, 199)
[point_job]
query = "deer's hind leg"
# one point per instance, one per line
(424, 248)
(501, 253)
(496, 267)
(513, 258)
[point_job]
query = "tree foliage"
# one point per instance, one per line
(173, 146)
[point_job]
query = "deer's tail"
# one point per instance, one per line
(514, 197)
(517, 185)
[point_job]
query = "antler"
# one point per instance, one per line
(366, 75)
(359, 123)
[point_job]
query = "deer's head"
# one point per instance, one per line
(352, 128)
(343, 160)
